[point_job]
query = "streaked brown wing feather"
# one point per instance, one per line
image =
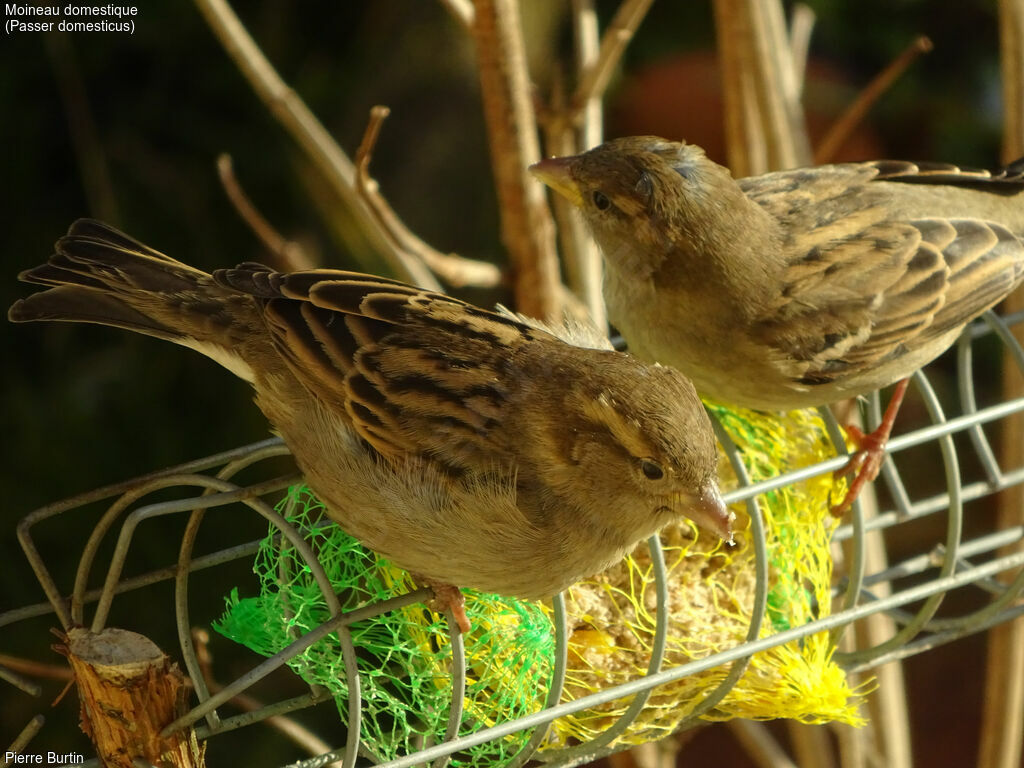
(860, 288)
(416, 373)
(892, 288)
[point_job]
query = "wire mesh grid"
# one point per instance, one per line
(987, 563)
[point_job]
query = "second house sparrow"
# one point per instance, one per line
(467, 447)
(797, 288)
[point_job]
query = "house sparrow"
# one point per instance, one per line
(467, 447)
(797, 288)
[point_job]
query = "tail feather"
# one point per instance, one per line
(100, 275)
(74, 303)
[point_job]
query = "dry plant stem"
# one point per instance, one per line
(654, 754)
(759, 744)
(801, 24)
(462, 10)
(595, 77)
(842, 128)
(35, 668)
(1002, 723)
(453, 269)
(89, 152)
(562, 137)
(811, 745)
(527, 227)
(854, 743)
(306, 130)
(744, 140)
(889, 719)
(775, 86)
(288, 256)
(28, 733)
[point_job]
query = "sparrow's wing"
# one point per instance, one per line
(418, 373)
(863, 287)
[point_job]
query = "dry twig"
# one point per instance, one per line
(764, 120)
(310, 134)
(1002, 724)
(854, 114)
(452, 268)
(287, 255)
(526, 224)
(801, 24)
(595, 77)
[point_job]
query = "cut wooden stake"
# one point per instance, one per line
(129, 690)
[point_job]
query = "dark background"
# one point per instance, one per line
(86, 406)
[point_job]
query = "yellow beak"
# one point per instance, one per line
(555, 173)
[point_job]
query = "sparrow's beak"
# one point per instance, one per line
(709, 512)
(555, 173)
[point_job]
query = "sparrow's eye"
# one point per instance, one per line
(601, 201)
(651, 470)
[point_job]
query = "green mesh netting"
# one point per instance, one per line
(404, 658)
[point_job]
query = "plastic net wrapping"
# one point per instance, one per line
(405, 662)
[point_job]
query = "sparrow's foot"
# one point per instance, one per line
(866, 463)
(448, 597)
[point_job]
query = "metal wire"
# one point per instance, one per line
(953, 563)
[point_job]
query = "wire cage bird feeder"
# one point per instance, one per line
(686, 630)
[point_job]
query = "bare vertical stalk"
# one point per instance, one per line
(1002, 724)
(764, 120)
(801, 24)
(526, 224)
(778, 95)
(743, 141)
(584, 268)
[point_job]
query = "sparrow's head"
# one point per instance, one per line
(634, 449)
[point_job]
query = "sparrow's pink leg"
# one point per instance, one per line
(867, 461)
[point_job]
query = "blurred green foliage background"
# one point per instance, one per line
(126, 128)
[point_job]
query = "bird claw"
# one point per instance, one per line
(449, 598)
(866, 463)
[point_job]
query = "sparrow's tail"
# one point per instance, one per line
(100, 275)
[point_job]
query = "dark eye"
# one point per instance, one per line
(651, 470)
(601, 201)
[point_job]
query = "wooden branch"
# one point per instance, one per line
(1002, 723)
(595, 78)
(764, 120)
(744, 141)
(759, 744)
(287, 255)
(840, 131)
(452, 268)
(296, 118)
(801, 25)
(93, 169)
(527, 227)
(778, 96)
(129, 691)
(583, 265)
